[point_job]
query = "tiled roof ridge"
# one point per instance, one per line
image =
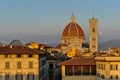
(79, 61)
(18, 50)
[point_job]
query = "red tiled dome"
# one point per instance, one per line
(73, 29)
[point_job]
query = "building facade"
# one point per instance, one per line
(108, 67)
(21, 63)
(53, 70)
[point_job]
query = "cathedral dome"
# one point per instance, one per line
(73, 29)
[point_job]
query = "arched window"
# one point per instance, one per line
(93, 30)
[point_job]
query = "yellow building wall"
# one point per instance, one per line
(107, 72)
(24, 64)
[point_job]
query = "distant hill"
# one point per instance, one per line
(109, 44)
(53, 40)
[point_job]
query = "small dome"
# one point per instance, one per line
(1, 44)
(16, 42)
(73, 29)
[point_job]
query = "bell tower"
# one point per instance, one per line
(93, 35)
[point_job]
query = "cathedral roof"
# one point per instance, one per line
(73, 29)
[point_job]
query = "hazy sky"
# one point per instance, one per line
(49, 17)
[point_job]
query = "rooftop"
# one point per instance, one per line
(19, 50)
(107, 58)
(79, 61)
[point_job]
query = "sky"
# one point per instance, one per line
(28, 18)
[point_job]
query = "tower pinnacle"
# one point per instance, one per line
(72, 18)
(93, 13)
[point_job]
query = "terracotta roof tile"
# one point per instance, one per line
(19, 50)
(73, 29)
(58, 46)
(79, 61)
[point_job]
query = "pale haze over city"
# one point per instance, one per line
(44, 20)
